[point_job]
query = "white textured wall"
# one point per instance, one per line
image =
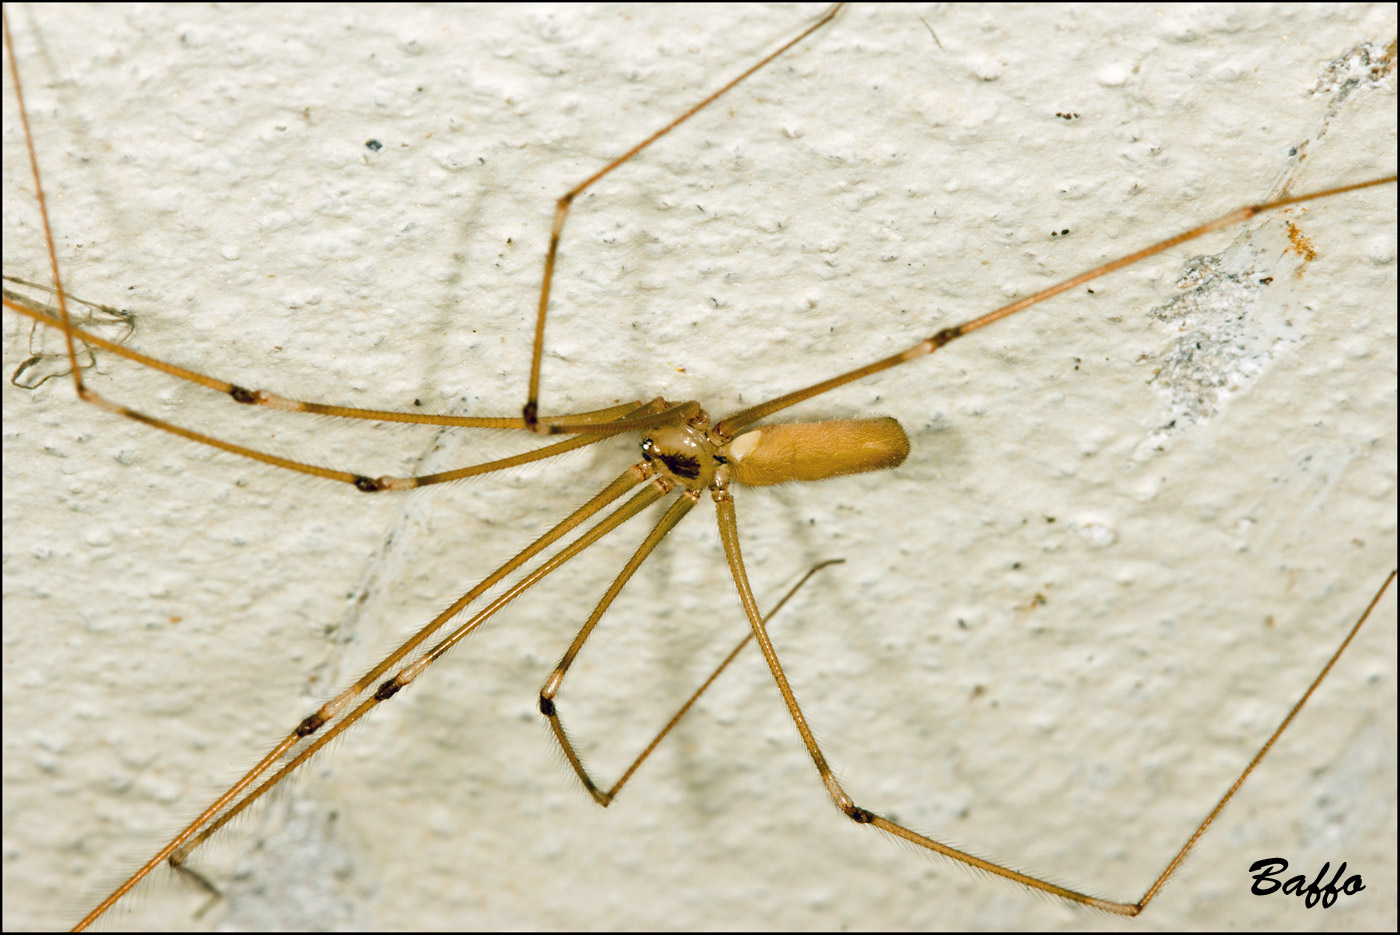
(207, 171)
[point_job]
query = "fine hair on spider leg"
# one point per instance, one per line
(1017, 591)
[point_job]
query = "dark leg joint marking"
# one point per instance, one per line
(366, 484)
(546, 706)
(860, 816)
(242, 395)
(311, 725)
(386, 691)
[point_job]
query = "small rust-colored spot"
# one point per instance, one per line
(176, 618)
(1300, 244)
(1038, 600)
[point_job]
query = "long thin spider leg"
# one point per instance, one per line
(189, 837)
(604, 798)
(561, 211)
(65, 324)
(1268, 745)
(731, 425)
(43, 201)
(729, 535)
(409, 673)
(606, 420)
(51, 317)
(656, 412)
(620, 485)
(674, 515)
(592, 426)
(597, 424)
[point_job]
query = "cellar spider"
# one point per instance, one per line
(947, 683)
